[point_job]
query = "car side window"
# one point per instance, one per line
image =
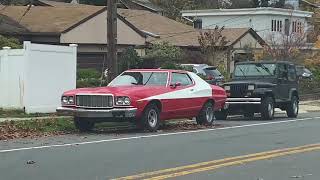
(292, 73)
(182, 78)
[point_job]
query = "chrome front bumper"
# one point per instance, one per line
(99, 113)
(243, 101)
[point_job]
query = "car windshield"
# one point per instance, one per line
(255, 69)
(212, 72)
(140, 78)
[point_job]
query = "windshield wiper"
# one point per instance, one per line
(243, 73)
(266, 69)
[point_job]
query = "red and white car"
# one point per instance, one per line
(145, 96)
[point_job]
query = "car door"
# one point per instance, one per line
(283, 83)
(181, 105)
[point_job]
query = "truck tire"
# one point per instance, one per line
(267, 108)
(83, 124)
(206, 115)
(151, 118)
(221, 115)
(293, 107)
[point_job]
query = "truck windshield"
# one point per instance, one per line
(255, 69)
(141, 78)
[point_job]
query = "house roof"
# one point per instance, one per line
(8, 25)
(246, 11)
(160, 28)
(43, 19)
(157, 28)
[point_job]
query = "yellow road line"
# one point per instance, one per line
(193, 168)
(197, 170)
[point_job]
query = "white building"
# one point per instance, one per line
(267, 22)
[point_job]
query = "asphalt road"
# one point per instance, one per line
(108, 156)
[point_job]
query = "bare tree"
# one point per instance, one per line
(212, 42)
(285, 47)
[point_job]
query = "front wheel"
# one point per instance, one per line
(267, 108)
(83, 124)
(151, 118)
(293, 107)
(206, 115)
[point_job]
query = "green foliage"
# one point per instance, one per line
(88, 74)
(165, 54)
(89, 78)
(129, 60)
(11, 42)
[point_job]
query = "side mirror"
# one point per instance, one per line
(175, 85)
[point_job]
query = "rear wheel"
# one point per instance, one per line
(83, 124)
(267, 108)
(151, 117)
(293, 107)
(206, 115)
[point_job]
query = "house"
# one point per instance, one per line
(267, 22)
(87, 27)
(83, 25)
(126, 4)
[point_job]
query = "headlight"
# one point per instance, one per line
(123, 101)
(251, 87)
(227, 88)
(67, 100)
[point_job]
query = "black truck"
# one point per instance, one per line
(260, 87)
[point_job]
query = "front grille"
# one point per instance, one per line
(94, 101)
(238, 90)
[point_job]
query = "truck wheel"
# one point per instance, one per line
(248, 114)
(293, 107)
(206, 115)
(221, 115)
(83, 124)
(267, 108)
(151, 117)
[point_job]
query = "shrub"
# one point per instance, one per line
(129, 60)
(89, 78)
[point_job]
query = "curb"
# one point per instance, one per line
(32, 118)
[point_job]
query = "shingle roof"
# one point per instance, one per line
(39, 19)
(8, 25)
(174, 32)
(50, 19)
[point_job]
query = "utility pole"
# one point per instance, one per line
(112, 62)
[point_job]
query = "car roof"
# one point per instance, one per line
(155, 70)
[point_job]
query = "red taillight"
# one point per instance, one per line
(210, 77)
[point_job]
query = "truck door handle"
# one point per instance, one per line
(191, 89)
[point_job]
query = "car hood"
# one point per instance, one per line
(132, 91)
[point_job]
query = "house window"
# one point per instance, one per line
(297, 27)
(276, 26)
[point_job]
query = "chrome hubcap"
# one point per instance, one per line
(295, 107)
(152, 118)
(209, 114)
(270, 109)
